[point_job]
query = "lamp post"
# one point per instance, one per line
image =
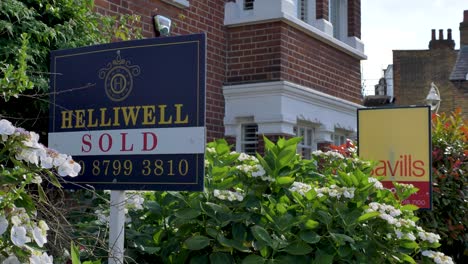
(433, 98)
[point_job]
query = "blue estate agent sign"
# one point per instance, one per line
(132, 113)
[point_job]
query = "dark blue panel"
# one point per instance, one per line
(150, 83)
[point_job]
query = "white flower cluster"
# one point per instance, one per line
(301, 188)
(438, 257)
(377, 183)
(134, 201)
(228, 195)
(36, 153)
(387, 213)
(24, 230)
(336, 191)
(211, 150)
(331, 154)
(427, 236)
(257, 171)
(245, 157)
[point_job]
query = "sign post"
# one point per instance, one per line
(133, 115)
(117, 227)
(399, 139)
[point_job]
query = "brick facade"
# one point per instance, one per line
(414, 70)
(354, 21)
(202, 16)
(264, 51)
(278, 51)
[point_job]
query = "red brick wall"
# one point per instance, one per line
(354, 18)
(202, 16)
(322, 9)
(278, 51)
(254, 53)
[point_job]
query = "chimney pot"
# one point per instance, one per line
(433, 35)
(449, 34)
(441, 34)
(465, 16)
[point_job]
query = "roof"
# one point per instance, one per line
(460, 70)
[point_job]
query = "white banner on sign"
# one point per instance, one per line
(180, 140)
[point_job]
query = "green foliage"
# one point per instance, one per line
(29, 30)
(278, 208)
(449, 216)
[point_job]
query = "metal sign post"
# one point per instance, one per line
(117, 227)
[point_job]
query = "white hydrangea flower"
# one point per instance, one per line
(3, 224)
(299, 187)
(6, 129)
(135, 201)
(37, 179)
(377, 183)
(69, 168)
(11, 260)
(32, 140)
(18, 236)
(101, 216)
(438, 257)
(40, 236)
(228, 195)
(41, 259)
(211, 150)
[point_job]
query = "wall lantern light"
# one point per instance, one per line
(433, 98)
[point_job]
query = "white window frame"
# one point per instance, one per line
(307, 145)
(339, 137)
(247, 140)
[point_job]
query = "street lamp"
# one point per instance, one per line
(433, 98)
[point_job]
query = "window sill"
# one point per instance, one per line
(178, 3)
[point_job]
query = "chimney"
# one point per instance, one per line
(442, 43)
(464, 29)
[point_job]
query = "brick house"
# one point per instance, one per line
(274, 67)
(414, 70)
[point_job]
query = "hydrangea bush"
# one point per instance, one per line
(279, 208)
(24, 163)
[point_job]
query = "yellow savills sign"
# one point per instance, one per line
(399, 140)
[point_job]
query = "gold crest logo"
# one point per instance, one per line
(118, 78)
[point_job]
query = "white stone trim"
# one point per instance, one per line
(286, 11)
(277, 106)
(178, 3)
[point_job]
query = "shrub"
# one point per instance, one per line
(449, 216)
(280, 208)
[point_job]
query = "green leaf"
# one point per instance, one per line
(321, 257)
(261, 234)
(410, 207)
(368, 216)
(197, 242)
(218, 257)
(187, 213)
(203, 259)
(311, 224)
(285, 180)
(75, 254)
(408, 244)
(309, 237)
(253, 259)
(407, 258)
(53, 179)
(298, 248)
(42, 195)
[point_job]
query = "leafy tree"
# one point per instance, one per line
(29, 29)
